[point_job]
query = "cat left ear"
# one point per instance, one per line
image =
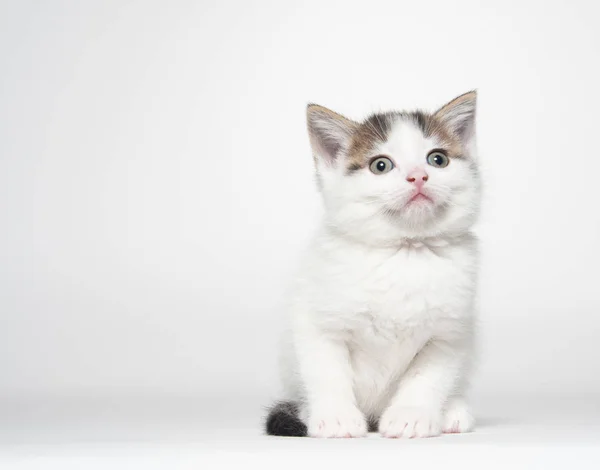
(329, 132)
(459, 115)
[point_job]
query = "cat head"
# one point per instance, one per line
(398, 175)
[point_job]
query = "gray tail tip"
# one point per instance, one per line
(283, 420)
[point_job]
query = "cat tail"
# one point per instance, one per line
(284, 420)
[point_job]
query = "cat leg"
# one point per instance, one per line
(327, 378)
(417, 406)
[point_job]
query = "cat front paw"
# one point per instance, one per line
(348, 422)
(458, 418)
(410, 422)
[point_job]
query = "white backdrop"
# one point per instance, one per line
(156, 181)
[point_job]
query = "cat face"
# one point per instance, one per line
(398, 175)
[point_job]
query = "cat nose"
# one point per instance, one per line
(418, 177)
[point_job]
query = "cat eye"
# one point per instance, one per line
(438, 158)
(381, 165)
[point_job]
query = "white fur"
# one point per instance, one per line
(382, 309)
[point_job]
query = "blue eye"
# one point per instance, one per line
(438, 158)
(381, 165)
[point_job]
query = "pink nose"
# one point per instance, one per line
(418, 177)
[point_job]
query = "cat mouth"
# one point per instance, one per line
(420, 198)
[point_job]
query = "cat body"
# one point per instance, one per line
(382, 308)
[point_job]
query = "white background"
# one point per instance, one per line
(156, 190)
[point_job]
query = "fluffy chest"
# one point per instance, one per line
(386, 293)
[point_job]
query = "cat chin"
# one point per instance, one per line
(416, 215)
(418, 210)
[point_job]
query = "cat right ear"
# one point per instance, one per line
(329, 132)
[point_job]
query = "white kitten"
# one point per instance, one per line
(383, 307)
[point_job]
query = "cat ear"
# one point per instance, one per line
(329, 132)
(459, 115)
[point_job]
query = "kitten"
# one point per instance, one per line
(383, 307)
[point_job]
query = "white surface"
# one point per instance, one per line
(173, 434)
